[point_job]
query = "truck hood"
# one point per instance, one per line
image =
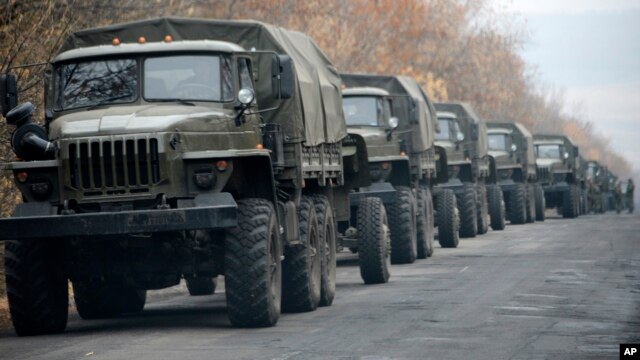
(148, 118)
(376, 140)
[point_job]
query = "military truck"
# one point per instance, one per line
(511, 147)
(414, 137)
(463, 136)
(558, 167)
(176, 148)
(394, 118)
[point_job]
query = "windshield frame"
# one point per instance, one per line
(58, 91)
(560, 151)
(232, 69)
(379, 108)
(508, 141)
(139, 58)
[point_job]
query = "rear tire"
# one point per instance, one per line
(468, 212)
(483, 209)
(199, 286)
(327, 241)
(36, 286)
(253, 270)
(402, 221)
(425, 224)
(517, 205)
(373, 241)
(540, 203)
(448, 219)
(496, 207)
(302, 263)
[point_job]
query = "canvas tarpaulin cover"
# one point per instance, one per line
(314, 112)
(412, 104)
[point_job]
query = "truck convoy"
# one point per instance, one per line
(176, 148)
(511, 145)
(182, 148)
(558, 172)
(463, 136)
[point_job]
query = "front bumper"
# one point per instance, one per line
(33, 220)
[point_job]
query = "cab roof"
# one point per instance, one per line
(145, 48)
(365, 91)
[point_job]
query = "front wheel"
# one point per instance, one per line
(425, 224)
(253, 270)
(36, 286)
(496, 207)
(402, 220)
(468, 212)
(483, 209)
(448, 219)
(373, 241)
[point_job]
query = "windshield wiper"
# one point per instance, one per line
(181, 101)
(108, 100)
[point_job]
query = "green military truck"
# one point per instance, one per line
(463, 137)
(394, 118)
(176, 148)
(558, 172)
(511, 147)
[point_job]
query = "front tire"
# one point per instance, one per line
(483, 209)
(518, 205)
(36, 286)
(253, 270)
(373, 241)
(425, 224)
(468, 212)
(402, 221)
(531, 204)
(448, 219)
(496, 207)
(569, 203)
(302, 265)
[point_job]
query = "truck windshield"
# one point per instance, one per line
(363, 110)
(448, 129)
(498, 142)
(95, 82)
(549, 151)
(188, 77)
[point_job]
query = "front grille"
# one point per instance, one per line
(114, 165)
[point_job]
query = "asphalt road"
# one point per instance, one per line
(562, 289)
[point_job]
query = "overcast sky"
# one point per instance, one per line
(591, 49)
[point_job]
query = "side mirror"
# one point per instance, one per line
(282, 76)
(474, 132)
(8, 93)
(459, 137)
